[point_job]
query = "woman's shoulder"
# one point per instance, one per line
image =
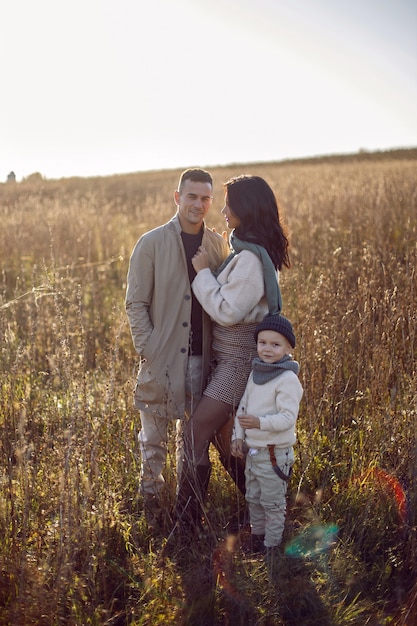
(247, 256)
(248, 259)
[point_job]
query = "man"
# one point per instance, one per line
(170, 331)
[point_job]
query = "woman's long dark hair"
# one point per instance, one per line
(252, 200)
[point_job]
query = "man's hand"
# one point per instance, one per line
(200, 260)
(249, 421)
(225, 234)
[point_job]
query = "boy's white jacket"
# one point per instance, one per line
(276, 403)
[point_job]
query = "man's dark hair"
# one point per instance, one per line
(196, 175)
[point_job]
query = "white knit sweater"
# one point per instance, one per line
(276, 403)
(238, 292)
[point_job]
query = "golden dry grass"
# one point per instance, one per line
(74, 548)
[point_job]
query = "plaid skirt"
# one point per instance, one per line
(233, 349)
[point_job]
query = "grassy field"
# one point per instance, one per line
(74, 547)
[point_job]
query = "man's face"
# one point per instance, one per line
(193, 203)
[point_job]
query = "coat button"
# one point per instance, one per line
(187, 297)
(183, 350)
(185, 324)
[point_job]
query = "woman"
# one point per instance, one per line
(237, 297)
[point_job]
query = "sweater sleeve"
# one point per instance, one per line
(238, 431)
(229, 298)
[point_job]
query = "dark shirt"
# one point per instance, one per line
(191, 244)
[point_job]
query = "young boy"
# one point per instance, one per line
(265, 426)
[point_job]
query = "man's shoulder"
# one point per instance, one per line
(160, 231)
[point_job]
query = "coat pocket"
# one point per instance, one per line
(148, 389)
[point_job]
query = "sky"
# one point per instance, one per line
(98, 87)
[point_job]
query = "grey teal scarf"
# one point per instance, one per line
(264, 372)
(272, 290)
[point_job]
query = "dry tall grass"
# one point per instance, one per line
(74, 549)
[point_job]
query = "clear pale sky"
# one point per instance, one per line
(93, 87)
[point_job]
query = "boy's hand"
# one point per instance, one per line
(249, 421)
(237, 448)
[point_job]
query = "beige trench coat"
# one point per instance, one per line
(158, 306)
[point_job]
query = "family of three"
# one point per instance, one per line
(215, 352)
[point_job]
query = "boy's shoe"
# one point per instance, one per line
(254, 544)
(153, 510)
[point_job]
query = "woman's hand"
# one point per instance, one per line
(200, 260)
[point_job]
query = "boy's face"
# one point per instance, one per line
(272, 346)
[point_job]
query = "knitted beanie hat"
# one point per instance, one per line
(280, 324)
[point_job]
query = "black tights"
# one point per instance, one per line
(212, 422)
(204, 427)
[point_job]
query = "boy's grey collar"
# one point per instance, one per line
(264, 372)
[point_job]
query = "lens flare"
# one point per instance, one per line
(391, 487)
(313, 541)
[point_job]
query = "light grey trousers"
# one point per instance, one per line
(266, 492)
(154, 433)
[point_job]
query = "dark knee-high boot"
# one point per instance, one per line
(203, 479)
(235, 467)
(191, 496)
